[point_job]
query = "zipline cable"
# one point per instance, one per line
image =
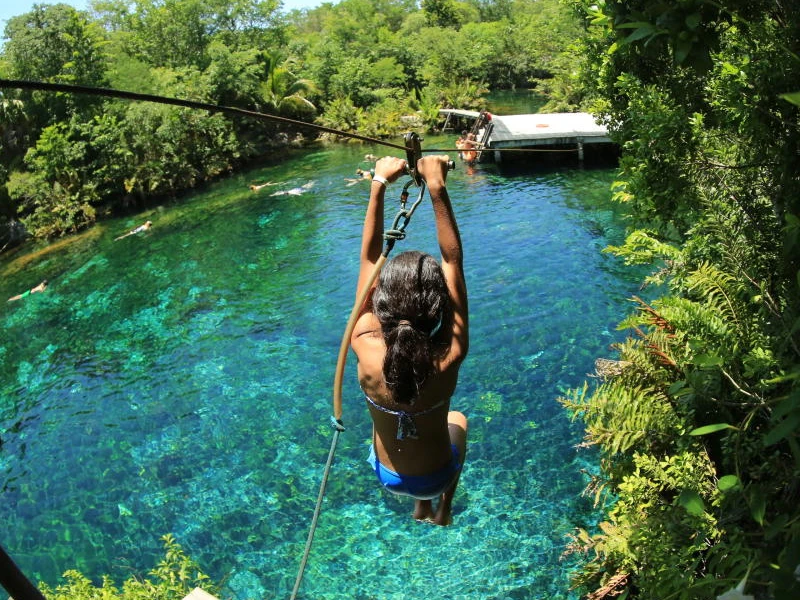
(493, 149)
(112, 93)
(231, 110)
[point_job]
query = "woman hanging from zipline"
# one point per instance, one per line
(410, 339)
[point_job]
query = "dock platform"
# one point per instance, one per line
(541, 131)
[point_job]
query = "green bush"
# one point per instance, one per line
(172, 579)
(697, 421)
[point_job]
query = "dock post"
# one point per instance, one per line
(497, 154)
(14, 581)
(580, 150)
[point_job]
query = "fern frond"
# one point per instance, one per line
(642, 247)
(619, 416)
(699, 320)
(717, 289)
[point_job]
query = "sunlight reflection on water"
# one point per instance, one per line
(179, 382)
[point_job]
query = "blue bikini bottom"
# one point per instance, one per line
(420, 487)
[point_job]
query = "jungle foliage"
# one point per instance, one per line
(696, 419)
(358, 66)
(172, 579)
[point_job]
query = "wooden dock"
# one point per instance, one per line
(541, 131)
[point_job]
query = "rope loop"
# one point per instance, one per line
(394, 234)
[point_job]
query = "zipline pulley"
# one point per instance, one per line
(413, 154)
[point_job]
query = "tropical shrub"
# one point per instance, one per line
(697, 418)
(172, 579)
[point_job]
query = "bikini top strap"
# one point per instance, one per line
(406, 427)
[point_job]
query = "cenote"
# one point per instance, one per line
(179, 381)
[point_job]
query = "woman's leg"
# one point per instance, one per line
(423, 510)
(457, 424)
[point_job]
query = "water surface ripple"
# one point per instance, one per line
(180, 382)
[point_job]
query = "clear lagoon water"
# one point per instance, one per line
(179, 381)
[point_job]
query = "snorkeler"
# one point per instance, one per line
(34, 290)
(147, 225)
(294, 191)
(363, 175)
(257, 186)
(410, 340)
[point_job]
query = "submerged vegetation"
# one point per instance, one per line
(358, 66)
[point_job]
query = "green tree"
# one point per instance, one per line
(71, 170)
(55, 44)
(440, 13)
(697, 422)
(178, 33)
(282, 92)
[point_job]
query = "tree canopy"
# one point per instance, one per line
(697, 417)
(357, 66)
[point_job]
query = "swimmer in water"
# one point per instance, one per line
(256, 187)
(147, 225)
(363, 175)
(35, 290)
(294, 191)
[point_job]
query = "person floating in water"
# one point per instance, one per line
(461, 144)
(410, 339)
(257, 186)
(144, 227)
(294, 191)
(363, 175)
(35, 290)
(469, 154)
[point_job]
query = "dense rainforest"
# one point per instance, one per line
(358, 66)
(695, 417)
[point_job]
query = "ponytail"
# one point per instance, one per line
(408, 362)
(410, 302)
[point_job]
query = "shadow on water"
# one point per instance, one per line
(179, 381)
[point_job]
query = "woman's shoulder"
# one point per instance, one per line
(367, 338)
(367, 324)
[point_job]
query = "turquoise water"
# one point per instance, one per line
(179, 381)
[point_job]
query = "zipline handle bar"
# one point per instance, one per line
(413, 154)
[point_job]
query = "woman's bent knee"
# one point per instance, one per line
(456, 418)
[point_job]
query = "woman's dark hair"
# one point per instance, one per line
(412, 304)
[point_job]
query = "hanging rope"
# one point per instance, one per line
(337, 429)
